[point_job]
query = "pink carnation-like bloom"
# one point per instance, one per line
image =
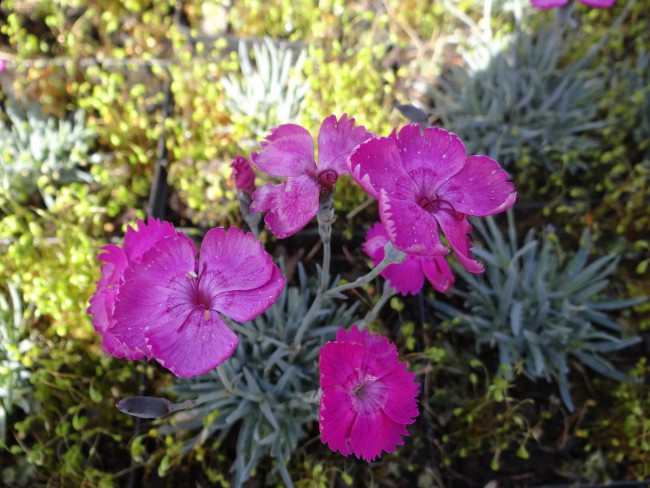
(116, 261)
(243, 174)
(546, 4)
(289, 151)
(159, 301)
(423, 180)
(368, 396)
(408, 276)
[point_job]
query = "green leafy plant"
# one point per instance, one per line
(622, 435)
(38, 153)
(541, 307)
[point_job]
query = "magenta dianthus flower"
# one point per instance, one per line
(116, 261)
(166, 305)
(368, 396)
(243, 174)
(408, 276)
(546, 4)
(423, 180)
(289, 151)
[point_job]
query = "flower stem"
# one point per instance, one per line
(252, 219)
(387, 293)
(392, 255)
(325, 217)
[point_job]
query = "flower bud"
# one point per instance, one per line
(243, 174)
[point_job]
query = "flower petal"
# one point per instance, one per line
(115, 263)
(409, 227)
(339, 364)
(598, 3)
(376, 165)
(401, 404)
(232, 260)
(336, 418)
(245, 305)
(438, 272)
(481, 188)
(194, 346)
(287, 151)
(142, 304)
(545, 4)
(289, 206)
(137, 242)
(406, 277)
(456, 231)
(376, 239)
(336, 141)
(430, 157)
(171, 257)
(372, 434)
(101, 308)
(160, 289)
(381, 354)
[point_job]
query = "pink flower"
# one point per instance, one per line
(424, 181)
(289, 151)
(116, 261)
(243, 174)
(408, 276)
(167, 305)
(546, 4)
(368, 396)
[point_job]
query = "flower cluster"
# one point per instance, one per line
(156, 300)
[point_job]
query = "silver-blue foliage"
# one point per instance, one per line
(38, 151)
(540, 306)
(15, 342)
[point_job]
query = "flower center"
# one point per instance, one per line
(429, 205)
(201, 296)
(327, 179)
(436, 204)
(370, 394)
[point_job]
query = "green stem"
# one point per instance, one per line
(387, 293)
(251, 218)
(392, 255)
(325, 218)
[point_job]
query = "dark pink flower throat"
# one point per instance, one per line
(436, 204)
(327, 179)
